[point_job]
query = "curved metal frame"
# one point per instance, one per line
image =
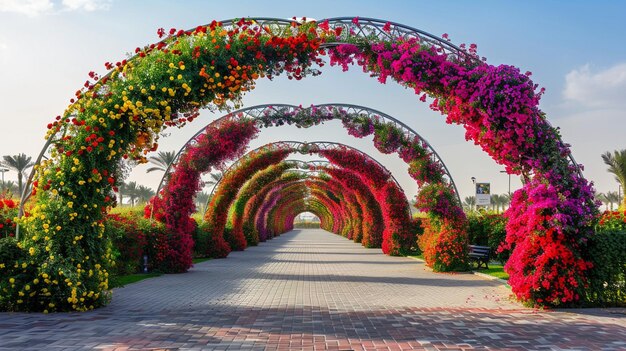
(301, 167)
(366, 28)
(351, 111)
(298, 146)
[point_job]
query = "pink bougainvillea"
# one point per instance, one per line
(498, 106)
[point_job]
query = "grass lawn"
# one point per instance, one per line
(495, 270)
(200, 259)
(123, 280)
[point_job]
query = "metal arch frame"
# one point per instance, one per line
(301, 167)
(366, 27)
(297, 146)
(351, 111)
(306, 165)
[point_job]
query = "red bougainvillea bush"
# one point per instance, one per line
(396, 236)
(8, 213)
(219, 143)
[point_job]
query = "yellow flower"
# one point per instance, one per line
(11, 280)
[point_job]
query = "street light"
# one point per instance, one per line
(509, 181)
(3, 170)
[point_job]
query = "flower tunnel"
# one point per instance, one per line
(62, 253)
(258, 171)
(389, 136)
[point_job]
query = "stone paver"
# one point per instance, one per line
(312, 290)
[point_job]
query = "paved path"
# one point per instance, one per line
(313, 290)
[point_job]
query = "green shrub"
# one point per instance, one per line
(201, 240)
(306, 224)
(488, 229)
(10, 255)
(251, 234)
(607, 278)
(207, 244)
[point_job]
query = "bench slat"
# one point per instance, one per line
(480, 254)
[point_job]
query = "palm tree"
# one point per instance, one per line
(8, 188)
(201, 200)
(506, 200)
(612, 197)
(215, 178)
(132, 192)
(602, 198)
(469, 203)
(162, 160)
(19, 163)
(144, 193)
(496, 202)
(121, 190)
(617, 165)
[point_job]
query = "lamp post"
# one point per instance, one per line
(474, 182)
(509, 181)
(3, 170)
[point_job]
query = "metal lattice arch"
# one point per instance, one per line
(259, 112)
(367, 28)
(307, 166)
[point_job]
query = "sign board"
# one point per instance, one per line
(483, 194)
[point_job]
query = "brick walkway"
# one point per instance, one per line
(313, 290)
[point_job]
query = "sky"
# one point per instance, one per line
(573, 48)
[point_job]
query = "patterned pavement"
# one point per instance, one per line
(312, 290)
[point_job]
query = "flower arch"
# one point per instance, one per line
(165, 84)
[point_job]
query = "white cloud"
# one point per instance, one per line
(29, 8)
(33, 8)
(604, 88)
(87, 5)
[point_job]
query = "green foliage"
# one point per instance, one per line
(206, 243)
(607, 278)
(306, 225)
(488, 230)
(496, 270)
(251, 234)
(10, 255)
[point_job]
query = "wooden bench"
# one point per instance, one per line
(480, 254)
